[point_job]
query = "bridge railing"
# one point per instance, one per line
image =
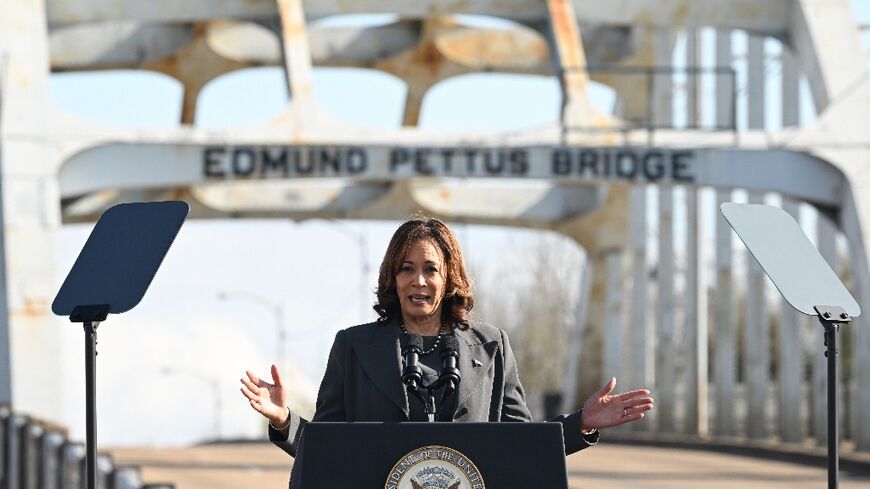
(671, 97)
(725, 355)
(38, 455)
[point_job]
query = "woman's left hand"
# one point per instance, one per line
(603, 410)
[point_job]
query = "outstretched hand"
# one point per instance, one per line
(270, 400)
(603, 410)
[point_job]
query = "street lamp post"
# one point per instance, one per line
(214, 384)
(360, 239)
(275, 308)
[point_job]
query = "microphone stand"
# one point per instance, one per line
(412, 374)
(415, 385)
(430, 404)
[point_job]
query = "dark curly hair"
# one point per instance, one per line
(458, 299)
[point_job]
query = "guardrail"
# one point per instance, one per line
(661, 86)
(35, 454)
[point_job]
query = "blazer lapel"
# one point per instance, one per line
(475, 362)
(381, 361)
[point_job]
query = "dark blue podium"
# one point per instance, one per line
(375, 455)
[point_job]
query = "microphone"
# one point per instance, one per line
(412, 374)
(450, 376)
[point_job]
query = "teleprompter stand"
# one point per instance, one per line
(110, 276)
(806, 282)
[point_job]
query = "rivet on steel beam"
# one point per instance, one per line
(826, 314)
(843, 315)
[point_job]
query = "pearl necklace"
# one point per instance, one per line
(434, 345)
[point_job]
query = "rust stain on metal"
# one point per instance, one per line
(749, 11)
(496, 49)
(291, 26)
(682, 12)
(423, 65)
(569, 48)
(178, 193)
(567, 34)
(194, 65)
(33, 307)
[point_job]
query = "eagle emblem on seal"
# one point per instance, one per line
(434, 467)
(416, 485)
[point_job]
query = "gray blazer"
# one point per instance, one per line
(362, 383)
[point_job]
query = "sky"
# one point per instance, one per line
(168, 370)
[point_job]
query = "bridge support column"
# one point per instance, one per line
(669, 349)
(756, 73)
(790, 368)
(663, 83)
(693, 80)
(827, 245)
(724, 83)
(756, 341)
(724, 348)
(696, 324)
(790, 89)
(600, 233)
(641, 346)
(614, 331)
(31, 213)
(852, 225)
(834, 61)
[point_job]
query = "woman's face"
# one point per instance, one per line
(421, 281)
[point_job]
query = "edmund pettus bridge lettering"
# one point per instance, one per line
(619, 163)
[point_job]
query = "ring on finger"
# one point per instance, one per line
(625, 411)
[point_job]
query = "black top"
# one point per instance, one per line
(363, 383)
(431, 366)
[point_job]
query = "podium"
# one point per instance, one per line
(412, 455)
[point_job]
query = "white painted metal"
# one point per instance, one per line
(575, 345)
(790, 362)
(724, 328)
(823, 36)
(790, 89)
(577, 111)
(756, 341)
(663, 84)
(827, 42)
(723, 81)
(613, 358)
(233, 158)
(696, 324)
(128, 45)
(756, 72)
(861, 325)
(297, 61)
(693, 81)
(767, 16)
(826, 242)
(31, 210)
(668, 350)
(640, 352)
(5, 347)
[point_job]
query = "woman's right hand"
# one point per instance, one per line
(270, 400)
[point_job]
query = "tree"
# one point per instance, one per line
(532, 296)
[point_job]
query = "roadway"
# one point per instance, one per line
(607, 466)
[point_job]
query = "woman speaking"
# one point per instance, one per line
(424, 294)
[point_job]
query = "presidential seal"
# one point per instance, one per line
(434, 467)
